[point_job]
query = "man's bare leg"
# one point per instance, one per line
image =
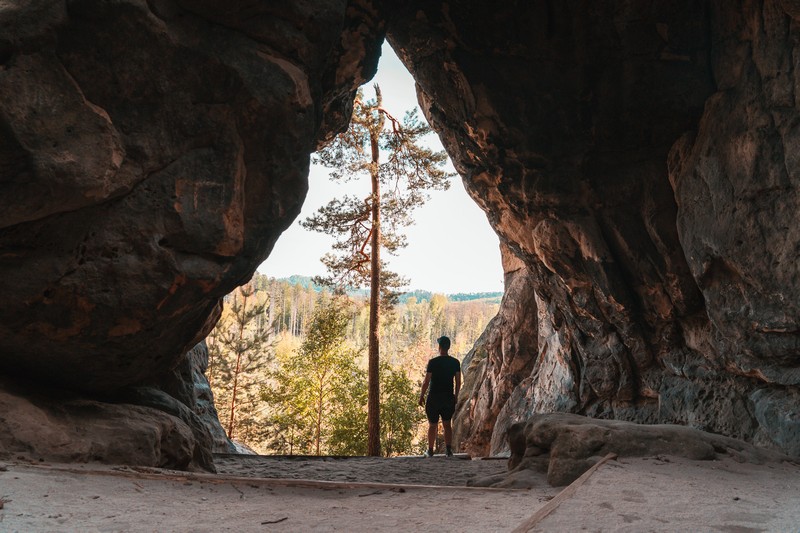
(433, 429)
(448, 433)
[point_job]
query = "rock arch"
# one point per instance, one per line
(636, 159)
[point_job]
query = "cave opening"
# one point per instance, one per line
(453, 269)
(623, 150)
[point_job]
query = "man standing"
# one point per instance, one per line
(442, 371)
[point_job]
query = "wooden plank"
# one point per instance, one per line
(565, 494)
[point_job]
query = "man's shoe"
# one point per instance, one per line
(449, 453)
(428, 453)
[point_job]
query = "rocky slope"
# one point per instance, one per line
(639, 158)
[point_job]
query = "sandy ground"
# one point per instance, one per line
(676, 494)
(656, 494)
(438, 470)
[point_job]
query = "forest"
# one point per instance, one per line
(287, 364)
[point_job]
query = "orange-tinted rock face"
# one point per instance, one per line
(151, 153)
(639, 158)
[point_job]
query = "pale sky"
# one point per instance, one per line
(451, 246)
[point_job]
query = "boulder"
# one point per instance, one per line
(562, 446)
(60, 426)
(187, 383)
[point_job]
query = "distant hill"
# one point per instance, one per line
(304, 281)
(425, 296)
(469, 296)
(492, 297)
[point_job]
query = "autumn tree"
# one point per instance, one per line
(401, 170)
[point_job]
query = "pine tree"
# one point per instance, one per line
(399, 183)
(240, 347)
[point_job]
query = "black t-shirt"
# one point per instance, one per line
(443, 370)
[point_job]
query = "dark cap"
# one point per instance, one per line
(444, 342)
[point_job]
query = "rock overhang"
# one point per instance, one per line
(625, 153)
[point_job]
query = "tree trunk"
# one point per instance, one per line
(373, 383)
(240, 321)
(319, 425)
(283, 311)
(293, 320)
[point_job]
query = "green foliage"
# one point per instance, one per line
(307, 282)
(311, 383)
(348, 434)
(319, 394)
(401, 414)
(493, 297)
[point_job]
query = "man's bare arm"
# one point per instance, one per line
(425, 384)
(458, 383)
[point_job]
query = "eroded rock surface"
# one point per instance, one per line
(172, 424)
(66, 427)
(640, 159)
(493, 368)
(188, 384)
(563, 446)
(151, 152)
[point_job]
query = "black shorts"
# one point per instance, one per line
(440, 405)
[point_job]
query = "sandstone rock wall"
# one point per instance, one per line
(151, 152)
(494, 370)
(639, 158)
(172, 423)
